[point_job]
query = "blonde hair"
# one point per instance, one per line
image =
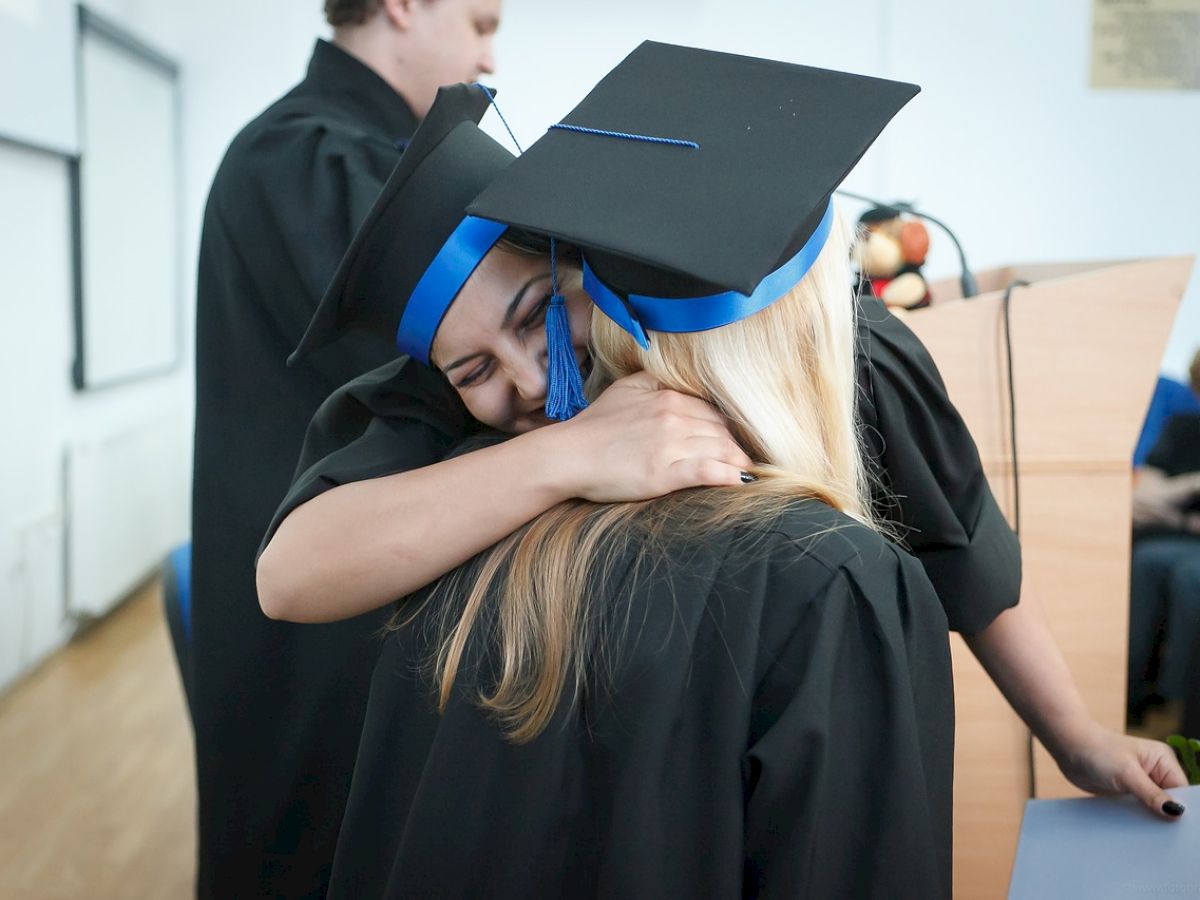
(785, 380)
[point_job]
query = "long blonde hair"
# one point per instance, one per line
(785, 380)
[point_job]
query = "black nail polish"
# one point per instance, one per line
(1171, 808)
(747, 478)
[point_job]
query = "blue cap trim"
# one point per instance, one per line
(638, 313)
(466, 247)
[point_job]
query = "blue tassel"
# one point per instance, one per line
(564, 392)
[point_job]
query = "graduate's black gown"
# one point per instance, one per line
(779, 722)
(935, 491)
(932, 485)
(278, 707)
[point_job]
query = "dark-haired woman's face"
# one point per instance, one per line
(491, 345)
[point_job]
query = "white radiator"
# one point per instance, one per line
(127, 505)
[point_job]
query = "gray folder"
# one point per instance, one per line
(1107, 848)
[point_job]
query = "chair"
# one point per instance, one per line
(177, 597)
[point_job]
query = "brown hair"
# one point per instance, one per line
(1194, 372)
(529, 243)
(350, 12)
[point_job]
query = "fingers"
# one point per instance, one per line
(1136, 780)
(668, 404)
(687, 473)
(657, 400)
(643, 381)
(694, 408)
(720, 448)
(1165, 769)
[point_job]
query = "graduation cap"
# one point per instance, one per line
(697, 184)
(417, 247)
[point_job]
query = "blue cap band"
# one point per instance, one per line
(638, 313)
(466, 247)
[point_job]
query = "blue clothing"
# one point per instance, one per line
(1169, 397)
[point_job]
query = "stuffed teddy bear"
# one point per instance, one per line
(892, 249)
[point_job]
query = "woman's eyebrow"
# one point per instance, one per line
(505, 322)
(518, 296)
(459, 362)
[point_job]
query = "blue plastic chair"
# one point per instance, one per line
(177, 603)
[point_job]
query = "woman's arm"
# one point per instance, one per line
(956, 529)
(359, 546)
(1020, 654)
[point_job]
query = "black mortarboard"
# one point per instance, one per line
(694, 174)
(416, 247)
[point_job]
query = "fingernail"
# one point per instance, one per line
(747, 478)
(1171, 808)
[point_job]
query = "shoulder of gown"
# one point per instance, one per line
(932, 482)
(777, 717)
(850, 739)
(398, 417)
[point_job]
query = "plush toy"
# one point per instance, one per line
(893, 248)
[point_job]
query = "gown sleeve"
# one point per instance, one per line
(933, 483)
(851, 753)
(396, 418)
(304, 188)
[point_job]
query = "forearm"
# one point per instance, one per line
(1021, 656)
(360, 546)
(1159, 499)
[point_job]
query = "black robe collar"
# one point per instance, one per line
(359, 92)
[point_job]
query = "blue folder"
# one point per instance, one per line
(1107, 848)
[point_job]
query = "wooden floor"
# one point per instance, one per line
(97, 785)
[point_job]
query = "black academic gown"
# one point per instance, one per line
(778, 723)
(933, 487)
(278, 707)
(929, 479)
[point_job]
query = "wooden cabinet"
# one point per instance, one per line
(1087, 340)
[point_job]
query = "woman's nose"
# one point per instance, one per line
(529, 378)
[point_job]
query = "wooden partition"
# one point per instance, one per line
(1087, 339)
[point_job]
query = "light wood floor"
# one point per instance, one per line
(97, 785)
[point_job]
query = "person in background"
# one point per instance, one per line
(278, 708)
(1164, 601)
(1169, 397)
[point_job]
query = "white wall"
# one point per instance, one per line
(1010, 145)
(35, 366)
(1006, 142)
(42, 412)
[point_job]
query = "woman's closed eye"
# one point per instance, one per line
(524, 316)
(535, 318)
(477, 375)
(537, 315)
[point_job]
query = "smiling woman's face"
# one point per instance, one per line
(491, 344)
